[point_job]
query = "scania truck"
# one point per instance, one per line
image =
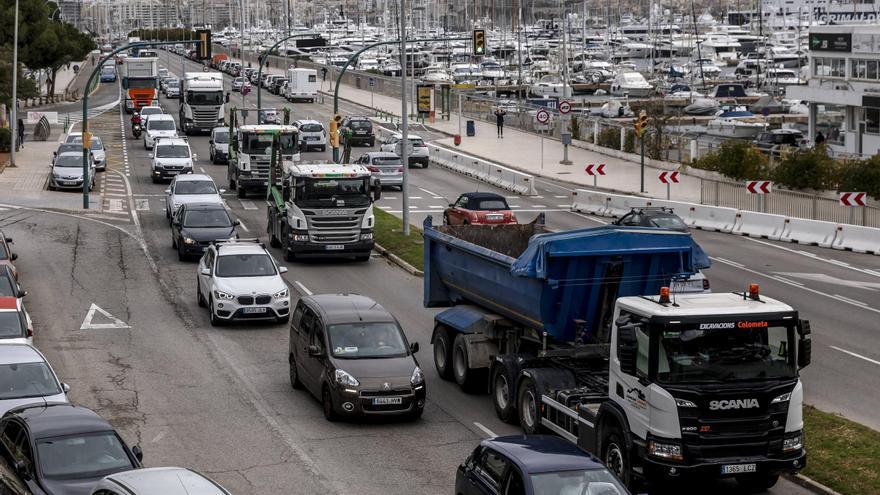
(577, 333)
(202, 102)
(250, 154)
(140, 81)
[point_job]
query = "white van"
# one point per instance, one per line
(302, 84)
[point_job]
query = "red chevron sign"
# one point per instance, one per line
(852, 198)
(669, 177)
(759, 186)
(593, 169)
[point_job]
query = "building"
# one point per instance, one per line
(71, 11)
(843, 89)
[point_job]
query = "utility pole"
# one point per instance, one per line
(404, 128)
(14, 124)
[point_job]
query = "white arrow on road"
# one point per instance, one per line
(828, 279)
(114, 321)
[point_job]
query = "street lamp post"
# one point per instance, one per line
(14, 124)
(404, 127)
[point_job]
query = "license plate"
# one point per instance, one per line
(334, 247)
(253, 310)
(384, 401)
(389, 172)
(738, 468)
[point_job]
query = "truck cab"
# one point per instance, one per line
(202, 102)
(250, 155)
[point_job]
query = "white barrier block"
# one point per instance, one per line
(754, 224)
(677, 207)
(709, 217)
(803, 231)
(858, 239)
(592, 202)
(619, 205)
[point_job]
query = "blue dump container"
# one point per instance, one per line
(471, 128)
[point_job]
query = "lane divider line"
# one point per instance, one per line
(853, 354)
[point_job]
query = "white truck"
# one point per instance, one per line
(302, 84)
(250, 155)
(202, 102)
(140, 81)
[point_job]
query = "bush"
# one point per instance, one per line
(629, 142)
(610, 138)
(738, 160)
(574, 127)
(861, 175)
(807, 169)
(5, 139)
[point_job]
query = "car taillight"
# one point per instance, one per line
(705, 284)
(372, 168)
(30, 331)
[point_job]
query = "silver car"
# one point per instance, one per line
(27, 377)
(164, 480)
(384, 166)
(237, 83)
(67, 172)
(99, 153)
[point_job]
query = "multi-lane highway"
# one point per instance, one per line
(218, 399)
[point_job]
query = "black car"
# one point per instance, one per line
(196, 225)
(361, 130)
(662, 218)
(60, 448)
(277, 84)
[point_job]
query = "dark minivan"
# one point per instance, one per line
(351, 353)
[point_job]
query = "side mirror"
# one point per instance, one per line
(195, 156)
(150, 155)
(210, 141)
(13, 257)
(314, 350)
(282, 269)
(206, 271)
(221, 191)
(236, 223)
(168, 191)
(138, 453)
(22, 293)
(22, 470)
(66, 388)
(805, 344)
(414, 347)
(452, 205)
(627, 349)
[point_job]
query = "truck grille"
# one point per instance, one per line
(260, 169)
(334, 229)
(204, 116)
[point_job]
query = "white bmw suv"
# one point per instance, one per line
(239, 280)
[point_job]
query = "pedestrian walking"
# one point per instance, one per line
(20, 130)
(820, 138)
(499, 121)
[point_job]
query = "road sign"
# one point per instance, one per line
(245, 88)
(852, 198)
(593, 169)
(564, 107)
(371, 81)
(759, 186)
(669, 177)
(543, 116)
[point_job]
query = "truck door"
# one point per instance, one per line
(631, 391)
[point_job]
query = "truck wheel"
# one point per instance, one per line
(500, 391)
(442, 352)
(469, 379)
(273, 241)
(232, 184)
(294, 373)
(241, 192)
(614, 454)
(758, 483)
(528, 406)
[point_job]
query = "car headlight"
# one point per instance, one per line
(794, 442)
(281, 294)
(222, 295)
(187, 240)
(417, 377)
(343, 378)
(665, 450)
(782, 398)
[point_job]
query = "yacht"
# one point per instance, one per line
(631, 84)
(738, 124)
(548, 86)
(436, 75)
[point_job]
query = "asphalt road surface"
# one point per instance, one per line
(218, 399)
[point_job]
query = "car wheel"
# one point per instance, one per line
(181, 255)
(323, 148)
(327, 403)
(215, 320)
(614, 454)
(362, 257)
(294, 373)
(425, 165)
(416, 414)
(443, 352)
(199, 299)
(173, 242)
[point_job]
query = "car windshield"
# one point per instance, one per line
(670, 222)
(69, 161)
(10, 325)
(387, 160)
(332, 192)
(172, 83)
(206, 219)
(160, 125)
(172, 151)
(725, 351)
(69, 147)
(261, 143)
(245, 265)
(90, 455)
(21, 380)
(367, 340)
(141, 83)
(221, 137)
(195, 187)
(150, 111)
(96, 144)
(311, 128)
(205, 97)
(580, 482)
(417, 142)
(488, 205)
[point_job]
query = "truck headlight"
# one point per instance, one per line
(684, 403)
(222, 295)
(345, 379)
(366, 236)
(300, 237)
(794, 442)
(417, 377)
(281, 294)
(782, 398)
(665, 450)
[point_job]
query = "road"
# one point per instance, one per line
(218, 399)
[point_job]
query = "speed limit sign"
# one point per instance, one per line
(543, 116)
(564, 107)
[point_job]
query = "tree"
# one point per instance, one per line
(27, 88)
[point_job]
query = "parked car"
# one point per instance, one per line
(663, 218)
(170, 157)
(237, 83)
(312, 135)
(72, 147)
(155, 481)
(9, 286)
(26, 377)
(239, 280)
(384, 166)
(16, 326)
(67, 172)
(96, 148)
(417, 152)
(191, 188)
(218, 145)
(172, 88)
(7, 256)
(361, 130)
(159, 126)
(196, 225)
(534, 465)
(277, 83)
(61, 449)
(479, 208)
(351, 353)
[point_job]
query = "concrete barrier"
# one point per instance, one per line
(592, 202)
(858, 239)
(492, 173)
(814, 232)
(754, 224)
(703, 217)
(619, 205)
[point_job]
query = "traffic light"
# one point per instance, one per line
(204, 44)
(479, 41)
(641, 123)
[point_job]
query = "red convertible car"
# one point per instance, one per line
(479, 208)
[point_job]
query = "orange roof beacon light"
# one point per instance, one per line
(754, 292)
(664, 295)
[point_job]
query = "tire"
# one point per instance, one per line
(232, 184)
(372, 143)
(327, 405)
(241, 192)
(282, 319)
(415, 415)
(757, 484)
(167, 213)
(199, 298)
(155, 180)
(615, 455)
(181, 256)
(273, 241)
(323, 148)
(293, 373)
(425, 165)
(173, 242)
(215, 321)
(500, 385)
(469, 379)
(528, 406)
(442, 344)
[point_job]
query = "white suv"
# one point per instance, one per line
(418, 152)
(311, 135)
(239, 280)
(170, 157)
(159, 126)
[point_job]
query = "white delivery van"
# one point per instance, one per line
(302, 84)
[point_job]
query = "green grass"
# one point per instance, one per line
(841, 454)
(389, 234)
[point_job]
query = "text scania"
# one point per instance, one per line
(733, 404)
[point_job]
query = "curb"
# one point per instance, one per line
(398, 261)
(811, 485)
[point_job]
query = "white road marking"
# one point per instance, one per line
(142, 204)
(729, 262)
(243, 226)
(247, 204)
(302, 288)
(415, 197)
(87, 321)
(203, 170)
(537, 197)
(436, 207)
(160, 436)
(515, 206)
(828, 279)
(427, 191)
(560, 197)
(790, 281)
(853, 354)
(115, 205)
(485, 430)
(538, 206)
(849, 300)
(386, 207)
(142, 195)
(390, 197)
(563, 206)
(815, 257)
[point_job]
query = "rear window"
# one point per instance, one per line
(11, 326)
(416, 142)
(312, 128)
(387, 160)
(488, 204)
(361, 124)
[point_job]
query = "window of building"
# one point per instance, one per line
(872, 120)
(829, 67)
(864, 69)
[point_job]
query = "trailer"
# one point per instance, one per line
(578, 333)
